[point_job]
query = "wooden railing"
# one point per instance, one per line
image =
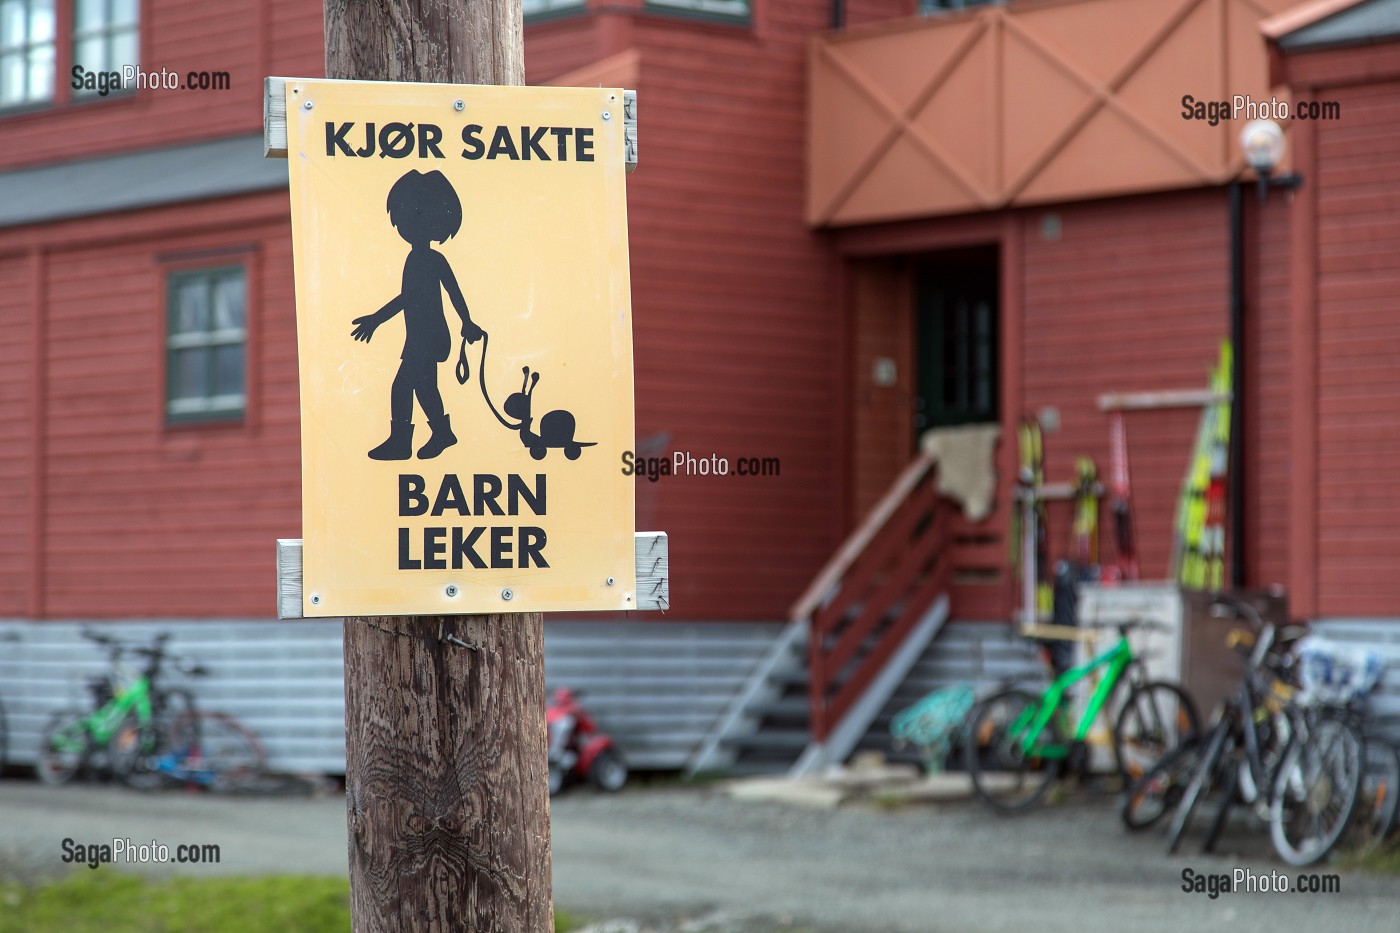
(873, 591)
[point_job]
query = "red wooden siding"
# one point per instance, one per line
(882, 438)
(752, 336)
(1358, 278)
(140, 519)
(735, 321)
(555, 47)
(17, 453)
(738, 329)
(1133, 296)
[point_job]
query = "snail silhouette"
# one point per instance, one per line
(556, 427)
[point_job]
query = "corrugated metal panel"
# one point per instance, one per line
(1358, 240)
(655, 688)
(285, 682)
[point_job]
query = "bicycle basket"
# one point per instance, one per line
(1336, 674)
(932, 722)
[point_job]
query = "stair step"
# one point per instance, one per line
(796, 707)
(788, 677)
(771, 739)
(757, 768)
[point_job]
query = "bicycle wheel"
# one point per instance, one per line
(1202, 781)
(1376, 810)
(220, 752)
(1155, 718)
(1228, 798)
(168, 707)
(132, 752)
(64, 747)
(1157, 792)
(1315, 794)
(137, 752)
(1002, 774)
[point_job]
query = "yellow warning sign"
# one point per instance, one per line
(465, 347)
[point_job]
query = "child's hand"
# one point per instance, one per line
(471, 332)
(364, 327)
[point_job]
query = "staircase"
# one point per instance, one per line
(853, 637)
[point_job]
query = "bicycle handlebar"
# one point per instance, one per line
(1239, 605)
(155, 654)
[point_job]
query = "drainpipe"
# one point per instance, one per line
(1235, 495)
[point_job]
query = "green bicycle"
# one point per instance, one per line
(131, 722)
(1018, 743)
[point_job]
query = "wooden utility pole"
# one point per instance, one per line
(446, 768)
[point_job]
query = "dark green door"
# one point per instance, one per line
(957, 324)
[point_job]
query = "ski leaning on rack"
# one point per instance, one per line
(1125, 566)
(1032, 477)
(1198, 555)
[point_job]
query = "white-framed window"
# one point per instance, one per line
(106, 36)
(206, 345)
(729, 9)
(26, 52)
(542, 7)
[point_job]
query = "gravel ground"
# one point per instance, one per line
(687, 860)
(659, 855)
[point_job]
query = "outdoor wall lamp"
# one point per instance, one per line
(1263, 144)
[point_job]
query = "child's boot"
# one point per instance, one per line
(442, 438)
(399, 446)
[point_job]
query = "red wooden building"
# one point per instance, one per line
(839, 237)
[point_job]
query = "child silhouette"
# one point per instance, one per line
(424, 209)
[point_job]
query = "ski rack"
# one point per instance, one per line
(1170, 398)
(1032, 624)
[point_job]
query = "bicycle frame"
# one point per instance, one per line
(103, 722)
(1116, 660)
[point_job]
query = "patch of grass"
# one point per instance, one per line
(95, 902)
(889, 799)
(113, 902)
(565, 922)
(1384, 860)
